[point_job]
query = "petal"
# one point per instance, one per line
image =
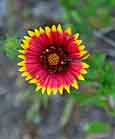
(59, 28)
(31, 33)
(85, 65)
(83, 71)
(68, 41)
(75, 68)
(48, 91)
(27, 38)
(83, 53)
(43, 41)
(54, 38)
(68, 30)
(73, 49)
(25, 45)
(47, 30)
(24, 41)
(33, 81)
(76, 36)
(43, 89)
(78, 42)
(54, 28)
(54, 91)
(67, 88)
(85, 56)
(76, 65)
(46, 80)
(21, 51)
(68, 77)
(75, 84)
(41, 30)
(22, 69)
(60, 90)
(28, 77)
(60, 80)
(42, 75)
(33, 69)
(60, 38)
(80, 77)
(37, 33)
(21, 57)
(25, 74)
(22, 63)
(82, 47)
(38, 87)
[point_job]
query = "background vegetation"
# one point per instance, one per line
(97, 91)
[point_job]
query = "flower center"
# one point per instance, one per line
(53, 59)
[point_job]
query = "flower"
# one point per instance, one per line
(52, 59)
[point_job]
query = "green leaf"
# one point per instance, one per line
(11, 45)
(96, 127)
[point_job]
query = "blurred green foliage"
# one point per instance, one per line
(100, 77)
(10, 47)
(85, 15)
(96, 127)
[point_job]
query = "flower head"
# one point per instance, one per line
(52, 59)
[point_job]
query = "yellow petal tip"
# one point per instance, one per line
(80, 77)
(53, 28)
(59, 28)
(68, 30)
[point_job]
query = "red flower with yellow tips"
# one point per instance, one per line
(52, 59)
